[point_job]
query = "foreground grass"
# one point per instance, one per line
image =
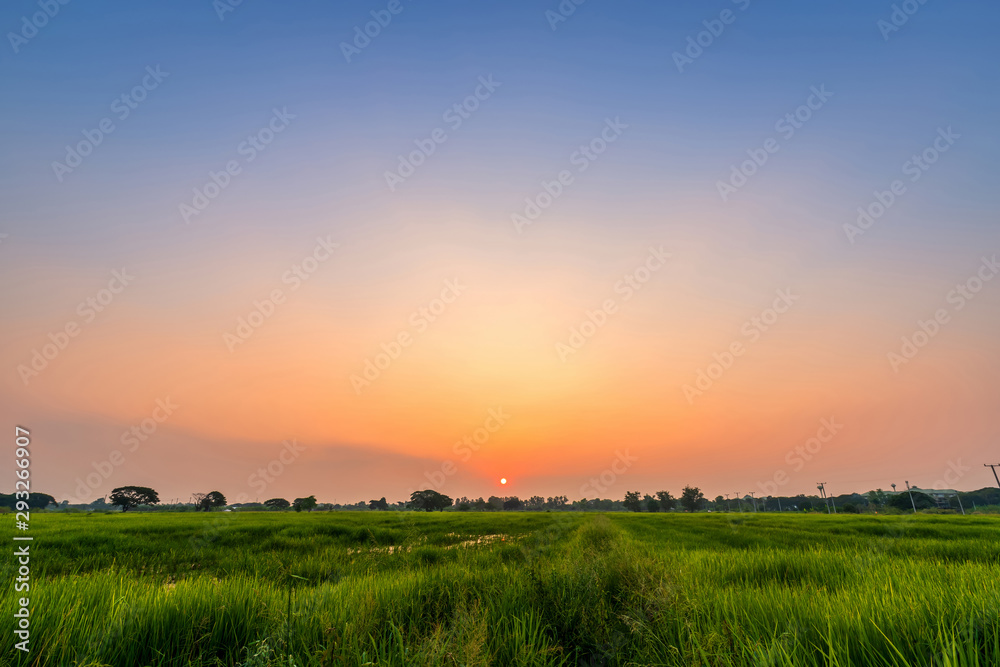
(512, 589)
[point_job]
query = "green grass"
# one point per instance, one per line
(511, 589)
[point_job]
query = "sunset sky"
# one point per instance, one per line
(295, 233)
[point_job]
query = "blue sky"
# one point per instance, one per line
(658, 183)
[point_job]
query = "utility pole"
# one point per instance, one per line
(779, 504)
(739, 502)
(911, 496)
(822, 492)
(754, 500)
(993, 467)
(728, 509)
(957, 495)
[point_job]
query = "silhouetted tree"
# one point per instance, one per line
(691, 498)
(307, 504)
(632, 502)
(36, 501)
(650, 503)
(429, 500)
(378, 504)
(534, 503)
(512, 503)
(128, 497)
(206, 501)
(557, 502)
(667, 501)
(277, 503)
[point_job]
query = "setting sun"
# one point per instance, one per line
(503, 480)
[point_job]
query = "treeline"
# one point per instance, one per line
(35, 500)
(691, 499)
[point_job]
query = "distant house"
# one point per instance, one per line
(939, 496)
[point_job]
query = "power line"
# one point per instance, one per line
(993, 467)
(911, 496)
(822, 492)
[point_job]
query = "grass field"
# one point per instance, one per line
(406, 588)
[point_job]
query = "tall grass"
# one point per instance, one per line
(512, 589)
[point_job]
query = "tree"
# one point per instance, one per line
(667, 501)
(128, 497)
(512, 503)
(691, 498)
(632, 502)
(378, 504)
(719, 503)
(36, 501)
(534, 503)
(877, 498)
(277, 503)
(651, 503)
(206, 501)
(307, 504)
(429, 500)
(901, 501)
(215, 499)
(557, 502)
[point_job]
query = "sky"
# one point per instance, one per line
(358, 249)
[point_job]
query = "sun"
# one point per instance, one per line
(503, 480)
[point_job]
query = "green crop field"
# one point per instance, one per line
(407, 588)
